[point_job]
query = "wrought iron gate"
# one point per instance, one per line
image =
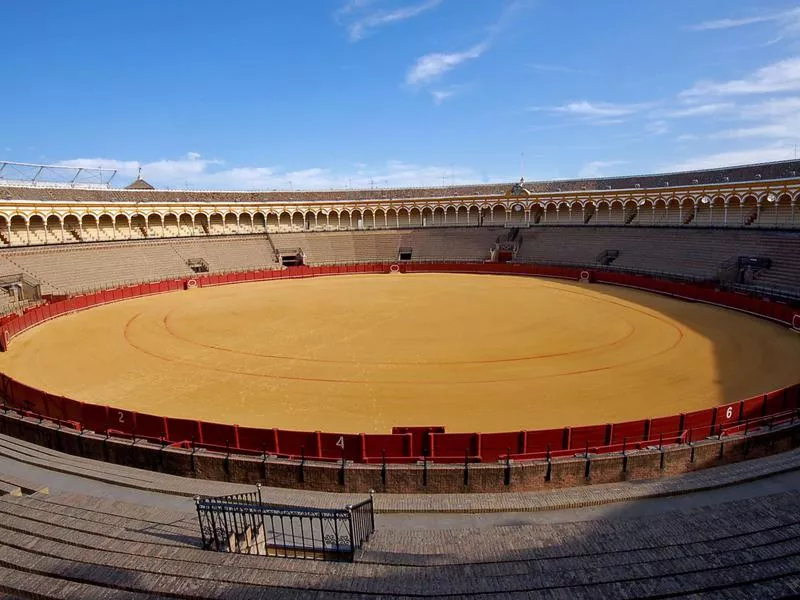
(243, 523)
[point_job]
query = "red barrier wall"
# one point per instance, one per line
(404, 444)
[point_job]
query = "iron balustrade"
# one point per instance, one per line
(244, 524)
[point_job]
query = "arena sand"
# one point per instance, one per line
(362, 353)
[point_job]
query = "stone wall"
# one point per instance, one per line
(419, 478)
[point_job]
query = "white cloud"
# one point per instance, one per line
(782, 76)
(440, 96)
(432, 66)
(194, 172)
(730, 23)
(738, 157)
(701, 110)
(776, 118)
(597, 110)
(787, 23)
(361, 27)
(594, 169)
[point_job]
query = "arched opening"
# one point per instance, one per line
(660, 212)
(462, 216)
(403, 218)
(284, 221)
(577, 215)
(171, 225)
(391, 218)
(702, 211)
(89, 228)
(245, 223)
(230, 223)
(438, 216)
(202, 225)
(55, 235)
(783, 211)
(333, 220)
(768, 213)
(36, 228)
(185, 225)
(380, 219)
(415, 218)
(272, 222)
(298, 221)
(498, 215)
(138, 227)
(19, 231)
(450, 215)
(357, 220)
(646, 212)
(311, 220)
(259, 223)
(716, 212)
(687, 211)
(5, 236)
(474, 216)
(216, 224)
(672, 212)
(154, 226)
(106, 227)
(550, 216)
(427, 217)
(564, 213)
(369, 219)
(517, 216)
(748, 212)
(122, 228)
(615, 214)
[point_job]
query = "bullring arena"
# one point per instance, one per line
(605, 374)
(363, 353)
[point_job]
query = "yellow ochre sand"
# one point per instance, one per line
(362, 353)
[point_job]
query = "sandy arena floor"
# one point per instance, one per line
(363, 353)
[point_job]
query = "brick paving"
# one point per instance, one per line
(87, 543)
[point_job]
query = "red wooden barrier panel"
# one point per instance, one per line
(183, 430)
(630, 430)
(454, 445)
(295, 443)
(391, 444)
(727, 414)
(72, 410)
(96, 418)
(664, 426)
(257, 439)
(594, 435)
(493, 445)
(218, 434)
(150, 426)
(537, 441)
(333, 445)
(699, 422)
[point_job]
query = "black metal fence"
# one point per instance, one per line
(244, 524)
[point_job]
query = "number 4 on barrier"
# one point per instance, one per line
(340, 442)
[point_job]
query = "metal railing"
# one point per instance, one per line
(244, 524)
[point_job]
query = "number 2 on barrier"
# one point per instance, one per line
(121, 416)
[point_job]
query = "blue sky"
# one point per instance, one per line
(338, 93)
